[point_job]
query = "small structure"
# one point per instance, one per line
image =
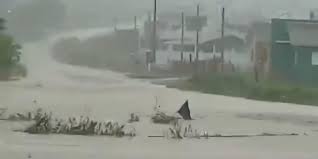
(231, 42)
(294, 50)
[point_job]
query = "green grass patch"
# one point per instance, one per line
(242, 85)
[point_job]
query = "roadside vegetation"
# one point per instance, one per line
(9, 55)
(242, 85)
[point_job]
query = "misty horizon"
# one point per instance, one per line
(101, 12)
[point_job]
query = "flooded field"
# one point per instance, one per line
(105, 95)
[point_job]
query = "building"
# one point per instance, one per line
(294, 50)
(230, 42)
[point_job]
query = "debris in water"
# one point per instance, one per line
(29, 155)
(29, 116)
(184, 111)
(162, 118)
(133, 118)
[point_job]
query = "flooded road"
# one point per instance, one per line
(105, 95)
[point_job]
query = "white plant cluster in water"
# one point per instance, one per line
(180, 132)
(44, 124)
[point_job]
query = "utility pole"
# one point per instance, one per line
(197, 41)
(222, 37)
(154, 39)
(197, 38)
(182, 35)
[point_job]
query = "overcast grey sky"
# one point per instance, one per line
(238, 10)
(266, 8)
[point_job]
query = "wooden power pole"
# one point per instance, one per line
(197, 41)
(222, 37)
(182, 35)
(154, 31)
(197, 38)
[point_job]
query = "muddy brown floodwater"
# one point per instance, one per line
(105, 95)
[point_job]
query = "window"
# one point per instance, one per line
(314, 58)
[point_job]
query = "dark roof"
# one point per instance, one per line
(303, 33)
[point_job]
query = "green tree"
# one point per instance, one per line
(9, 49)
